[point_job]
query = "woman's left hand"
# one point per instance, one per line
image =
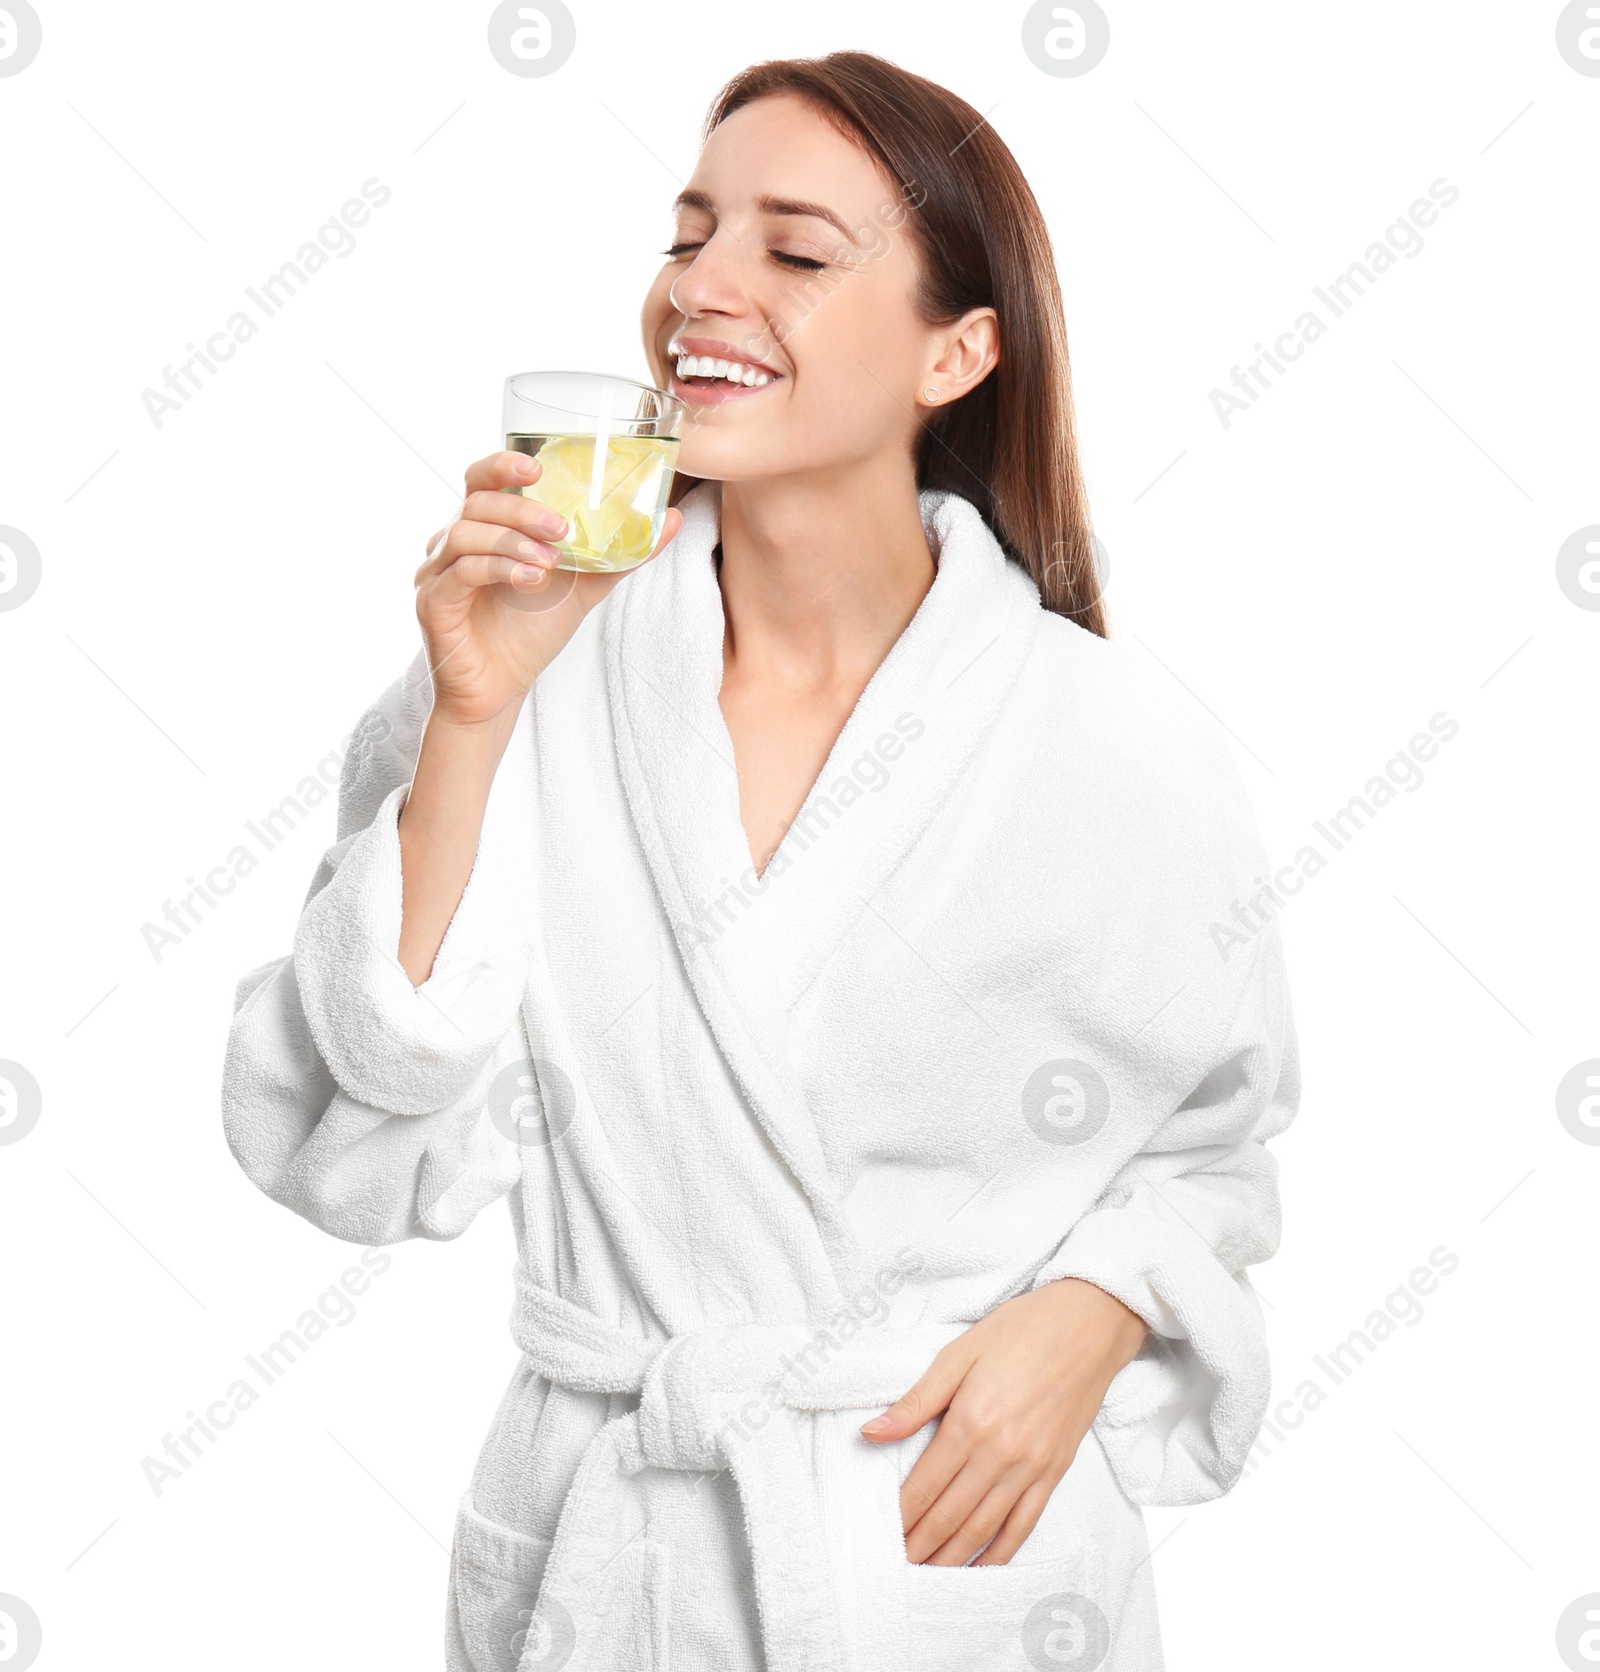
(1018, 1392)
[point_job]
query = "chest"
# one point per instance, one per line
(781, 742)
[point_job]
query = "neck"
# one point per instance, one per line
(820, 574)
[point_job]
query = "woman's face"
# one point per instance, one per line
(791, 254)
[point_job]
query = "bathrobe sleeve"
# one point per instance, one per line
(1171, 1237)
(349, 1095)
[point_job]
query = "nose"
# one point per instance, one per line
(711, 284)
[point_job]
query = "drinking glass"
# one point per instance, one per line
(608, 446)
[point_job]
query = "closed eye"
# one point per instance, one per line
(802, 262)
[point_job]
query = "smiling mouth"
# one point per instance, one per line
(702, 391)
(708, 369)
(711, 379)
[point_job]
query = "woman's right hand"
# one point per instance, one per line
(494, 609)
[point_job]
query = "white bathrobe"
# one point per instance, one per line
(769, 1143)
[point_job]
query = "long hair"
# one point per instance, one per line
(1007, 445)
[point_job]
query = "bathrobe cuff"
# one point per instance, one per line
(388, 1044)
(1179, 1419)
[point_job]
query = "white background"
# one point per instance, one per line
(223, 595)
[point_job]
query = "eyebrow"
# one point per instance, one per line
(769, 205)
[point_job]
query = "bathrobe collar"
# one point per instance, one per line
(948, 673)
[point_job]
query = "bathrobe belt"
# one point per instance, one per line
(728, 1396)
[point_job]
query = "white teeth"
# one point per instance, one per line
(732, 371)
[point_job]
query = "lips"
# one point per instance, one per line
(717, 392)
(716, 348)
(708, 388)
(714, 391)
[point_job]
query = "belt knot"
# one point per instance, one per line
(695, 1385)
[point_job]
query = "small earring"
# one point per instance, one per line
(932, 394)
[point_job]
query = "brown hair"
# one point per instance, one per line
(1007, 445)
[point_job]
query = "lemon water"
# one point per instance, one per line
(614, 506)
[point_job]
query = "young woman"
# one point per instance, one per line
(810, 935)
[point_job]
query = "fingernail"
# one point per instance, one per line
(526, 548)
(553, 523)
(876, 1426)
(532, 573)
(523, 465)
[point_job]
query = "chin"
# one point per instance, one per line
(722, 463)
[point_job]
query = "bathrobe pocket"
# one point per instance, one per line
(497, 1622)
(494, 1587)
(1046, 1610)
(1029, 1616)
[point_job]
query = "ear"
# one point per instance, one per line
(968, 351)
